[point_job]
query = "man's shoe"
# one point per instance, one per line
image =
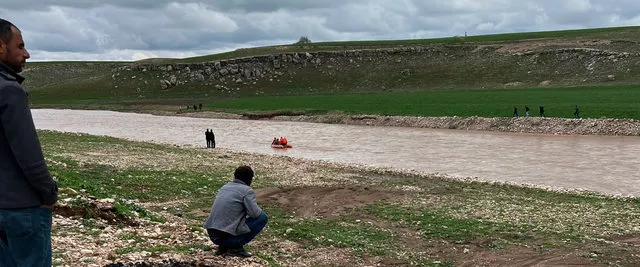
(238, 252)
(221, 250)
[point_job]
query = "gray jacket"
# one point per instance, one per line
(233, 203)
(25, 181)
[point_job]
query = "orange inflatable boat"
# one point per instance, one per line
(281, 146)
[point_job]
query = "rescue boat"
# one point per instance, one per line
(281, 146)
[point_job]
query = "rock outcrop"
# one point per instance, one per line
(490, 66)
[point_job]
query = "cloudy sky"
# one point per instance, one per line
(138, 29)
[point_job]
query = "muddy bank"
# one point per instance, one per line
(556, 126)
(522, 125)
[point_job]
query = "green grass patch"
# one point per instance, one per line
(104, 181)
(321, 233)
(593, 102)
(572, 216)
(143, 183)
(345, 232)
(272, 262)
(128, 209)
(134, 237)
(434, 225)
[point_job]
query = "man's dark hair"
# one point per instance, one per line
(5, 30)
(244, 173)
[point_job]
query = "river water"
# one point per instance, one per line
(607, 164)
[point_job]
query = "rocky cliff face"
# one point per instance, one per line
(433, 66)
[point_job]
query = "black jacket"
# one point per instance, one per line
(25, 180)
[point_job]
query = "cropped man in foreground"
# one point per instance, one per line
(235, 217)
(27, 191)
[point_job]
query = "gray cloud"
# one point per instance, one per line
(226, 5)
(268, 5)
(184, 26)
(84, 4)
(114, 29)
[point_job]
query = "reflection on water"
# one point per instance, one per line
(599, 163)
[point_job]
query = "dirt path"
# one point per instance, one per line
(323, 202)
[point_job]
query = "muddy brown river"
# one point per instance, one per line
(606, 164)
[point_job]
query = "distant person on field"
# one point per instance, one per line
(541, 111)
(526, 111)
(27, 191)
(515, 111)
(576, 112)
(235, 218)
(195, 107)
(200, 106)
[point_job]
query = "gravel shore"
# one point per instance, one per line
(538, 125)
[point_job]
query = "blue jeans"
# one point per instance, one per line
(255, 225)
(28, 237)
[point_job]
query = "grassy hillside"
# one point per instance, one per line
(617, 33)
(428, 77)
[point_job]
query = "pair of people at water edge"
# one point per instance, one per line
(235, 217)
(211, 138)
(27, 190)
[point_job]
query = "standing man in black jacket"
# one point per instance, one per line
(207, 136)
(27, 191)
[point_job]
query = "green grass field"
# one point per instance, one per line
(594, 102)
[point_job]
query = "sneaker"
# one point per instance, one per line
(221, 250)
(238, 252)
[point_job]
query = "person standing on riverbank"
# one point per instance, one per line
(576, 112)
(207, 137)
(542, 111)
(211, 138)
(515, 111)
(526, 111)
(28, 191)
